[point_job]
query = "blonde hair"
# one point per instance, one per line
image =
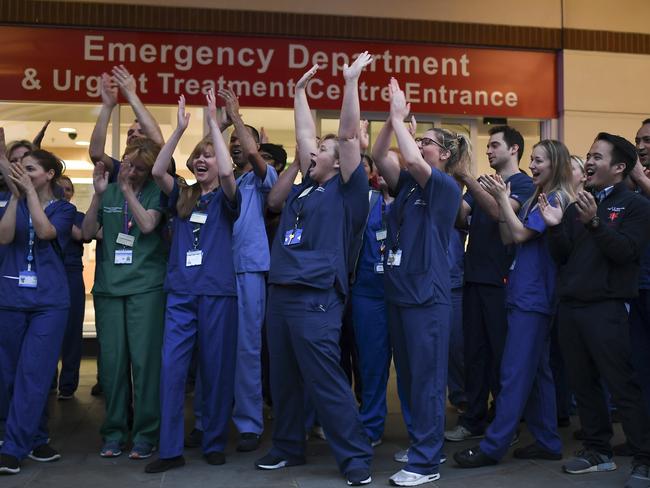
(188, 195)
(144, 150)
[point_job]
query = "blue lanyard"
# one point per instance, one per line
(32, 236)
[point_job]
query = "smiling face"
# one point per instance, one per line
(600, 171)
(642, 143)
(540, 167)
(325, 163)
(67, 187)
(40, 178)
(204, 164)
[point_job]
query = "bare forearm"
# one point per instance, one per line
(98, 137)
(89, 225)
(163, 179)
(350, 111)
(386, 166)
(8, 222)
(224, 162)
(249, 147)
(149, 125)
(42, 226)
(280, 191)
(481, 197)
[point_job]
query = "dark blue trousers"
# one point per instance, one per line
(420, 339)
(527, 386)
(30, 344)
(456, 370)
(303, 332)
(212, 322)
(640, 339)
(73, 338)
(484, 336)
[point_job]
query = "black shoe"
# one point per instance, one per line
(194, 439)
(534, 451)
(97, 390)
(473, 458)
(270, 461)
(358, 477)
(215, 458)
(563, 422)
(579, 435)
(248, 442)
(161, 465)
(9, 464)
(45, 454)
(623, 450)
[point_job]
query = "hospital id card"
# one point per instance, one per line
(293, 236)
(198, 218)
(27, 279)
(194, 258)
(379, 268)
(125, 239)
(394, 258)
(123, 256)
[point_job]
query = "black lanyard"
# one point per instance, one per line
(300, 203)
(400, 217)
(201, 206)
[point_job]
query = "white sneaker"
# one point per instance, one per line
(402, 456)
(376, 442)
(460, 433)
(407, 478)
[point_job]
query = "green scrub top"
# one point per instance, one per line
(147, 271)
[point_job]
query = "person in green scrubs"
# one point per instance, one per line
(129, 298)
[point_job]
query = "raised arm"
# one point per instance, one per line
(399, 110)
(280, 191)
(42, 226)
(38, 139)
(163, 179)
(147, 219)
(98, 137)
(640, 178)
(5, 165)
(305, 126)
(224, 161)
(248, 144)
(8, 221)
(349, 146)
(385, 165)
(126, 82)
(90, 226)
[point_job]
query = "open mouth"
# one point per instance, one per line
(200, 169)
(590, 172)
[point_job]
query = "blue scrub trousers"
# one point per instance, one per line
(251, 294)
(484, 334)
(212, 321)
(456, 370)
(373, 347)
(640, 339)
(30, 344)
(303, 332)
(527, 386)
(420, 339)
(73, 338)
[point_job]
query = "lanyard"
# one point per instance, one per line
(302, 198)
(200, 206)
(32, 236)
(128, 222)
(400, 218)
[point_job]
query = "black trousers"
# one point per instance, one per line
(595, 340)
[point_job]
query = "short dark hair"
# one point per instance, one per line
(511, 136)
(371, 163)
(254, 133)
(276, 151)
(646, 121)
(623, 151)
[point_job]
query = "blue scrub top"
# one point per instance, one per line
(332, 215)
(216, 275)
(427, 218)
(369, 283)
(487, 260)
(74, 251)
(456, 257)
(4, 201)
(644, 270)
(531, 281)
(52, 286)
(250, 243)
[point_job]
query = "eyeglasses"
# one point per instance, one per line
(427, 141)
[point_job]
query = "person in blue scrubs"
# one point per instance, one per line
(35, 226)
(202, 293)
(417, 280)
(68, 380)
(252, 261)
(310, 262)
(527, 387)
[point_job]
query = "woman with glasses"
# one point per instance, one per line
(417, 279)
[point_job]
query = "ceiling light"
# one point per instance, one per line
(82, 143)
(67, 130)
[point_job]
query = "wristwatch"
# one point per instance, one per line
(594, 223)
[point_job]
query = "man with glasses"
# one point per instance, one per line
(487, 262)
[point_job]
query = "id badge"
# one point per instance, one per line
(293, 236)
(123, 256)
(306, 192)
(198, 218)
(125, 239)
(381, 234)
(27, 279)
(379, 268)
(194, 258)
(394, 258)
